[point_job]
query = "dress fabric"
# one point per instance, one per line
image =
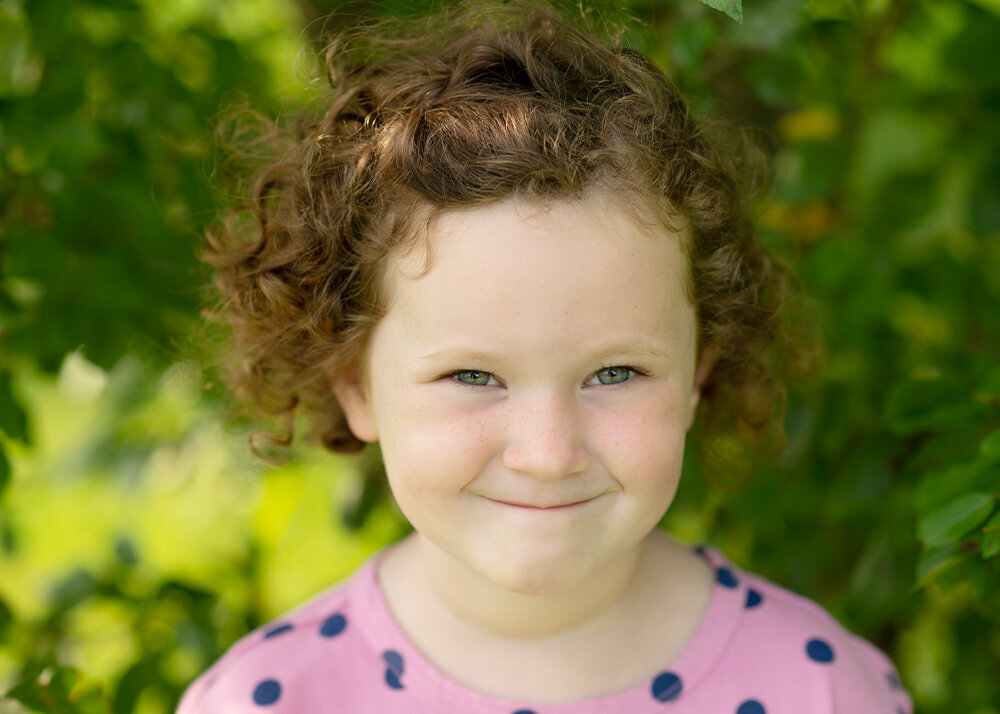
(760, 649)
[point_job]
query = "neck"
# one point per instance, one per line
(484, 609)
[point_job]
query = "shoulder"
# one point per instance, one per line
(283, 661)
(795, 649)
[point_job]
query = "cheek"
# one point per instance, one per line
(645, 443)
(429, 446)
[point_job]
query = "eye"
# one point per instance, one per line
(472, 377)
(612, 376)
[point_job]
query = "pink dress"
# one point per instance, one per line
(760, 649)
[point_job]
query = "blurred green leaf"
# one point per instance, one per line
(990, 387)
(915, 405)
(832, 9)
(71, 590)
(6, 617)
(20, 66)
(4, 471)
(991, 5)
(990, 446)
(732, 8)
(13, 420)
(895, 142)
(945, 485)
(951, 522)
(60, 690)
(990, 542)
(936, 561)
(136, 678)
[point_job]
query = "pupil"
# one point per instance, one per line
(615, 374)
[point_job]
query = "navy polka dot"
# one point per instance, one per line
(700, 550)
(754, 598)
(393, 668)
(393, 660)
(751, 706)
(819, 651)
(278, 630)
(726, 578)
(524, 711)
(267, 692)
(666, 687)
(900, 710)
(893, 680)
(333, 625)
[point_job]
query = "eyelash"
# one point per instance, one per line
(636, 372)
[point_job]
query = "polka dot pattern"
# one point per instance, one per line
(267, 692)
(333, 625)
(819, 651)
(394, 668)
(751, 706)
(725, 578)
(788, 654)
(666, 687)
(279, 630)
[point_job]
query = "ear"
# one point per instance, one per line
(707, 358)
(356, 402)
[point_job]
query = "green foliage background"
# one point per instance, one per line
(138, 538)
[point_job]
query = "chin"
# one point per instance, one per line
(535, 573)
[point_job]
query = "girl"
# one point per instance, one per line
(507, 254)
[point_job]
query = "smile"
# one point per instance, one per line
(530, 507)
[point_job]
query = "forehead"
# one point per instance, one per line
(553, 270)
(432, 232)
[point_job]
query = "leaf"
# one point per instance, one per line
(936, 561)
(69, 592)
(989, 543)
(13, 420)
(20, 65)
(6, 617)
(991, 5)
(4, 471)
(990, 386)
(949, 523)
(832, 9)
(921, 404)
(990, 446)
(60, 690)
(131, 684)
(944, 486)
(733, 8)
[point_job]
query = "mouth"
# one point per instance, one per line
(533, 507)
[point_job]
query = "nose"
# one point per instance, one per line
(545, 440)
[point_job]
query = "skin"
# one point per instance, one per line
(506, 381)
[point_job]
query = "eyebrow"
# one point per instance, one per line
(637, 348)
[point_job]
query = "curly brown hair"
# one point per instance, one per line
(479, 104)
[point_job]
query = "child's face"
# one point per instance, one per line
(534, 305)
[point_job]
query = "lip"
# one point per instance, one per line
(532, 507)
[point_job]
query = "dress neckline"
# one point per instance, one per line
(425, 682)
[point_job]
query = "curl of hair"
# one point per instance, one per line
(475, 105)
